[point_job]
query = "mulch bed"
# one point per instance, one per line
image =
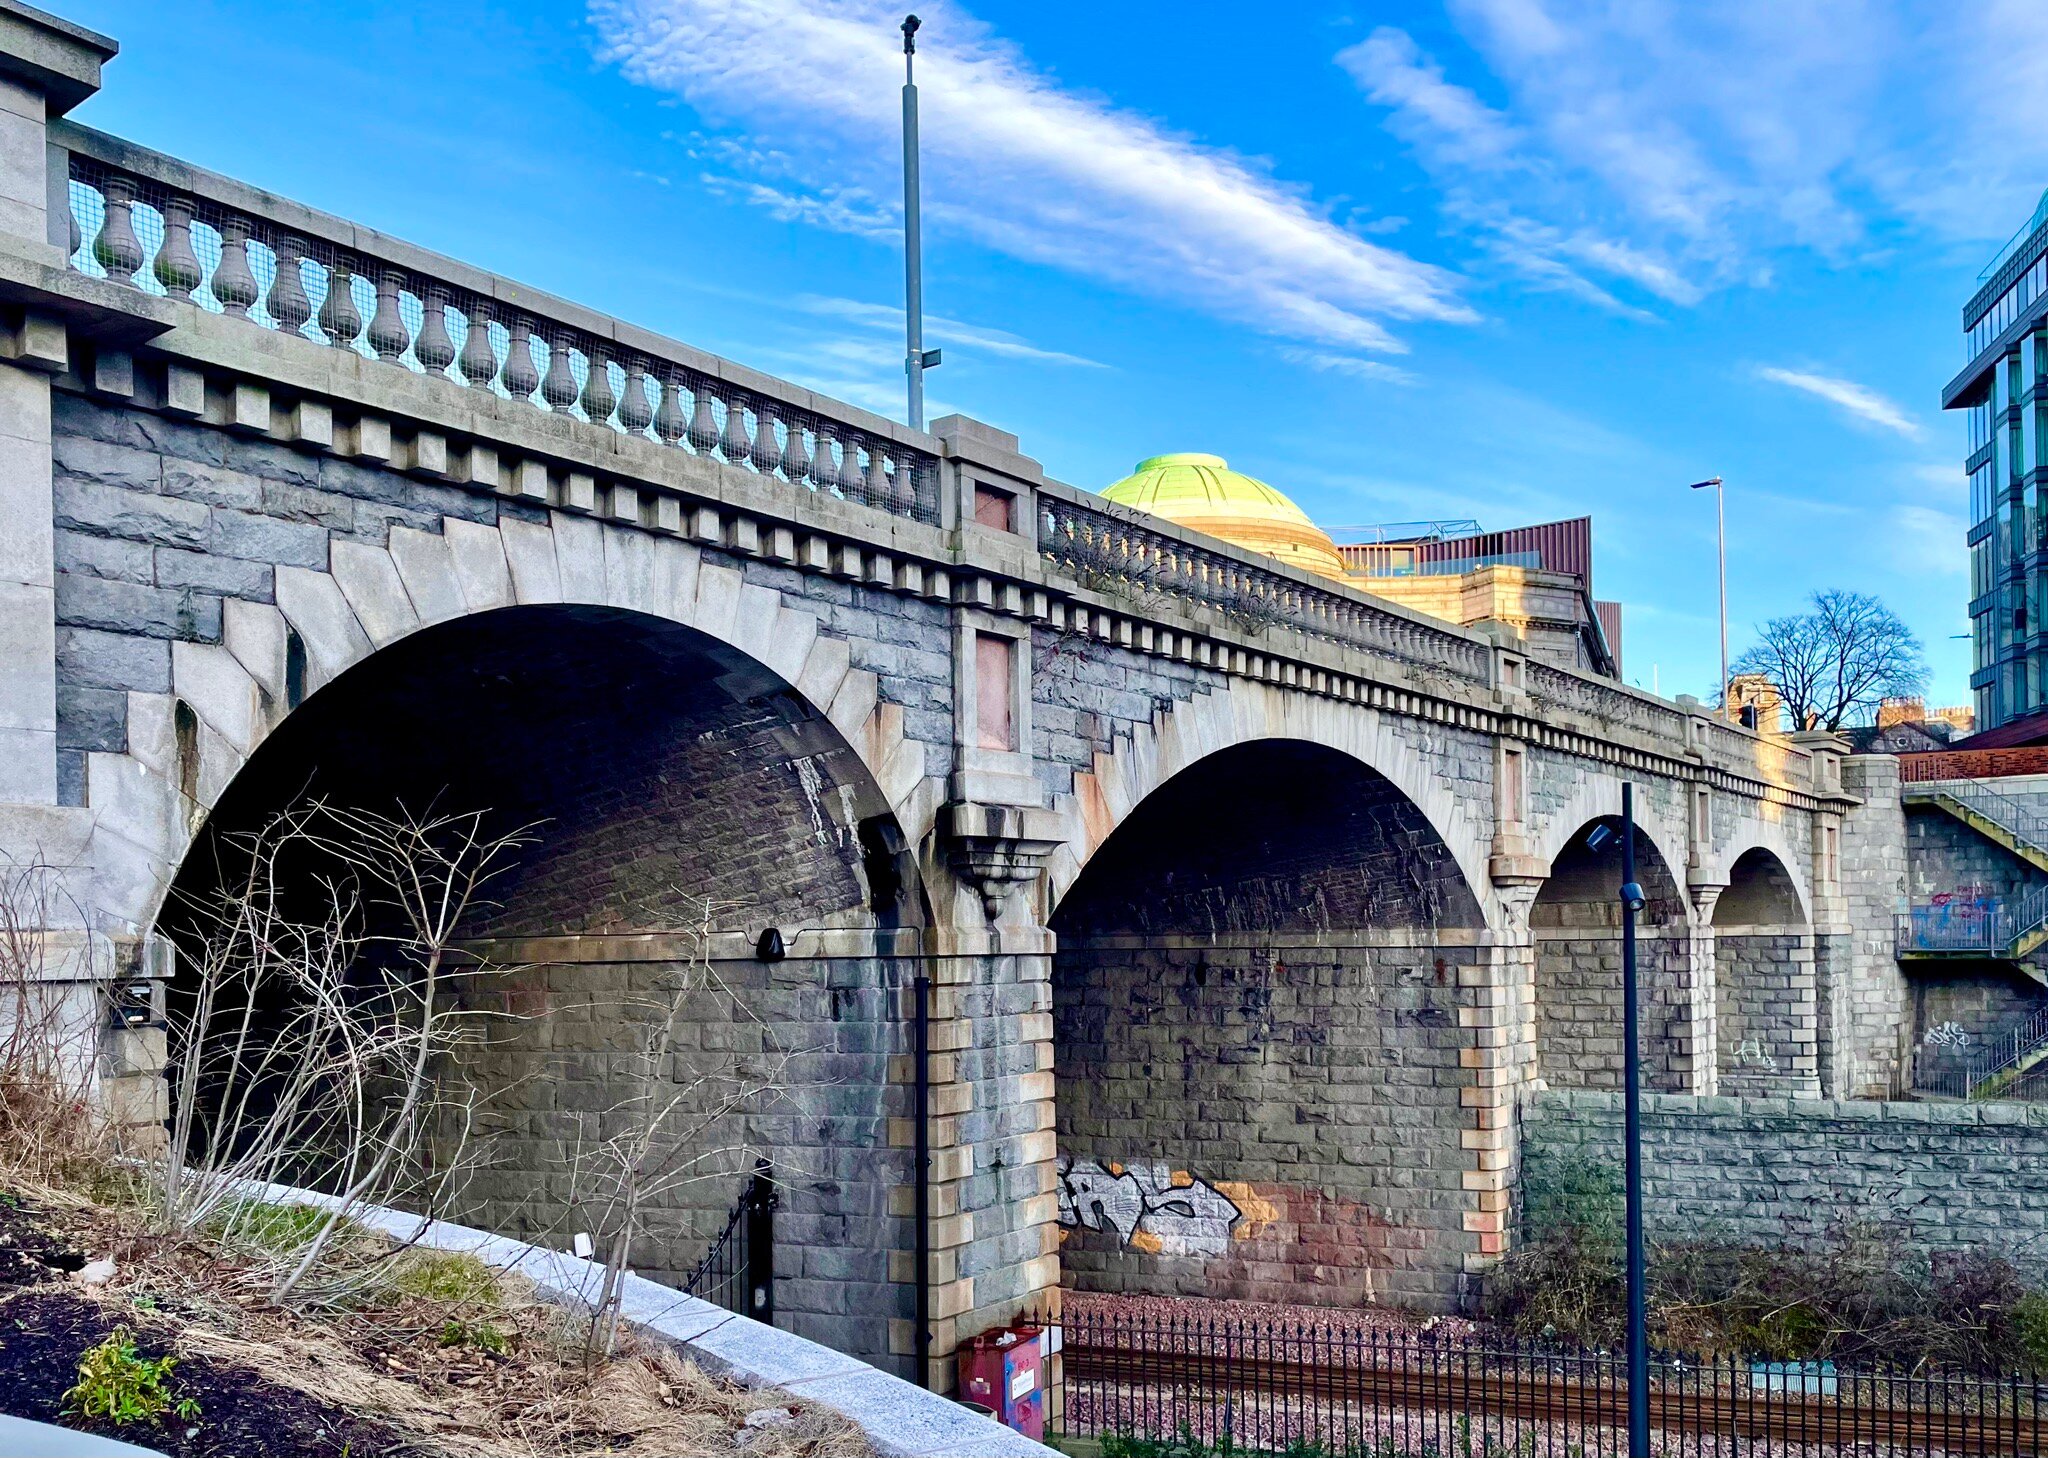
(45, 1327)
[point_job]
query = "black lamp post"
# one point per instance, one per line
(1632, 1138)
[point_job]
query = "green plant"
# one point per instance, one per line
(479, 1334)
(456, 1278)
(1571, 1192)
(117, 1383)
(2030, 1327)
(272, 1229)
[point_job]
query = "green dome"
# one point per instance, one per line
(1202, 493)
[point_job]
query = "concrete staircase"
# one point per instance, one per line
(2014, 930)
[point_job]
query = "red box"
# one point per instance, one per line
(1005, 1370)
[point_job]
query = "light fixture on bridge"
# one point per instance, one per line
(1600, 837)
(769, 946)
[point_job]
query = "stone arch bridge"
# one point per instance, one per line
(1251, 903)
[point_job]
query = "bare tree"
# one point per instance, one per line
(50, 1021)
(674, 1127)
(1833, 664)
(322, 1012)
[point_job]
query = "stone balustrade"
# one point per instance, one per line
(154, 223)
(1110, 551)
(163, 227)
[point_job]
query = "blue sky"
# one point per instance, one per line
(1506, 259)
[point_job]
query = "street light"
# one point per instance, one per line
(916, 358)
(1721, 532)
(1632, 901)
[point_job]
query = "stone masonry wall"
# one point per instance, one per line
(1764, 1011)
(1579, 1006)
(1271, 1122)
(1866, 1010)
(561, 1075)
(1769, 1171)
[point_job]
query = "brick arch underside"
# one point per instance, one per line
(660, 770)
(1575, 923)
(1256, 1001)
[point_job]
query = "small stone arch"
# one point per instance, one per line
(1243, 712)
(1766, 987)
(1598, 797)
(370, 597)
(1755, 836)
(1575, 925)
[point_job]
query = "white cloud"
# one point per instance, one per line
(1021, 164)
(1860, 401)
(1323, 361)
(1453, 123)
(1673, 147)
(1921, 540)
(941, 331)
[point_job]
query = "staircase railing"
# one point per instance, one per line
(1972, 926)
(2022, 820)
(2001, 1053)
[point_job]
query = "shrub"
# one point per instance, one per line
(117, 1383)
(1574, 1194)
(2030, 1327)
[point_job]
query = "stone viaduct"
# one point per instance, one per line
(1251, 904)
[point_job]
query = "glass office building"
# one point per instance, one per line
(2003, 394)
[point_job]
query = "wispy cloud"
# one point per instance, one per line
(1326, 362)
(1859, 401)
(1024, 165)
(939, 330)
(1671, 147)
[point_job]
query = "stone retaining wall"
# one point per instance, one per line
(1771, 1170)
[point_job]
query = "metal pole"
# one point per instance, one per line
(1632, 1138)
(921, 1182)
(1721, 532)
(913, 241)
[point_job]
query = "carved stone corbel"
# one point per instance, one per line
(996, 848)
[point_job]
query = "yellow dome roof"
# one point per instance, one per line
(1203, 494)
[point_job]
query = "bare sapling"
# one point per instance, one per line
(323, 1007)
(681, 1122)
(50, 1021)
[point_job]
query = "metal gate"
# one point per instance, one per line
(738, 1272)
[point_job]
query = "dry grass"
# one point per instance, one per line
(460, 1359)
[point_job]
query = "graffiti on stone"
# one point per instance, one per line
(1950, 1034)
(1148, 1207)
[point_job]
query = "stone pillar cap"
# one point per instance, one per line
(56, 57)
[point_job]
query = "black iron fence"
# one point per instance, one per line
(1234, 1385)
(738, 1272)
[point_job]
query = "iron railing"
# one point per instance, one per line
(738, 1271)
(2021, 819)
(1263, 1384)
(1992, 927)
(1988, 1071)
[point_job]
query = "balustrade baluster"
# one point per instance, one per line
(767, 451)
(876, 485)
(520, 378)
(796, 457)
(117, 248)
(558, 387)
(903, 485)
(339, 316)
(824, 471)
(288, 303)
(234, 282)
(703, 431)
(177, 265)
(388, 334)
(636, 411)
(670, 423)
(733, 442)
(852, 483)
(434, 347)
(598, 399)
(479, 362)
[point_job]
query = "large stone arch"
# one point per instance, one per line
(641, 734)
(1241, 712)
(149, 801)
(1755, 833)
(1259, 991)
